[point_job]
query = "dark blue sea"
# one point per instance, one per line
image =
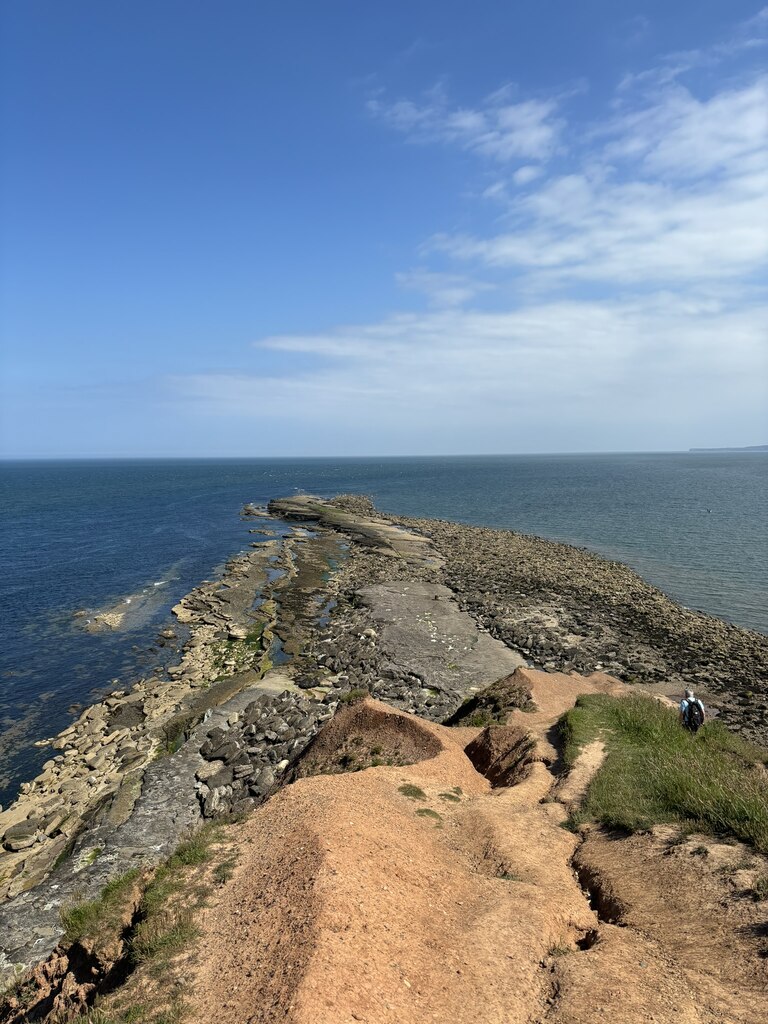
(81, 535)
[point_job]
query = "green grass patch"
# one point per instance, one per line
(479, 719)
(162, 935)
(171, 899)
(154, 920)
(427, 812)
(160, 889)
(657, 772)
(196, 850)
(92, 917)
(138, 1014)
(412, 792)
(170, 877)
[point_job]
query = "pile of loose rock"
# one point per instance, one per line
(347, 657)
(244, 761)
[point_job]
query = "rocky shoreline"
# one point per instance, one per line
(422, 614)
(560, 608)
(567, 609)
(231, 645)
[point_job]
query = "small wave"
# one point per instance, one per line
(160, 583)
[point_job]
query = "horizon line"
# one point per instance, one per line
(756, 449)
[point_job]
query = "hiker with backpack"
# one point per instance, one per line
(691, 712)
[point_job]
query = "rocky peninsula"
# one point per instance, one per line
(441, 623)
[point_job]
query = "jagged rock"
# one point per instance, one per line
(223, 777)
(221, 751)
(208, 770)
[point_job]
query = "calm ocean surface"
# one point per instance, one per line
(79, 535)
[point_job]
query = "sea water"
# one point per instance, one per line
(79, 536)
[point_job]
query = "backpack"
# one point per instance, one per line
(693, 716)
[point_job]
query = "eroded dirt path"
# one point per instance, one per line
(355, 901)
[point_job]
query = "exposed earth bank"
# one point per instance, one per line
(420, 893)
(441, 885)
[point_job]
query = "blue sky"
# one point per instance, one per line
(342, 228)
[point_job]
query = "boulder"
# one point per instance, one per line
(224, 777)
(21, 836)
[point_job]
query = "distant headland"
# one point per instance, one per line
(747, 448)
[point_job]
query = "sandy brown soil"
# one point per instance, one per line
(350, 905)
(687, 933)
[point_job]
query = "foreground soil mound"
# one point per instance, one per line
(416, 893)
(387, 895)
(366, 735)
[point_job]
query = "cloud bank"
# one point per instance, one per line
(611, 296)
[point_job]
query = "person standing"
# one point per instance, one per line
(691, 712)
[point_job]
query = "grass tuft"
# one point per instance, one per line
(92, 917)
(427, 812)
(162, 934)
(412, 792)
(194, 851)
(353, 696)
(657, 772)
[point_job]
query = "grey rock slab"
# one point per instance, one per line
(422, 630)
(371, 531)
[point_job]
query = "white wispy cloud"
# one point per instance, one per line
(442, 289)
(569, 374)
(672, 191)
(677, 135)
(750, 34)
(618, 299)
(499, 128)
(526, 174)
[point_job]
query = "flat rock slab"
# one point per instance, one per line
(421, 629)
(374, 532)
